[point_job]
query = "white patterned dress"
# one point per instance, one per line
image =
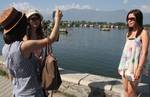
(130, 57)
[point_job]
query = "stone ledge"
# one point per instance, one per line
(72, 76)
(89, 85)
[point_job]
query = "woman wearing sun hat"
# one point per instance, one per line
(18, 53)
(35, 32)
(34, 29)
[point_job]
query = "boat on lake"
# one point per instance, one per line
(63, 31)
(105, 29)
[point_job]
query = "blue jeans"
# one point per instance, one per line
(39, 93)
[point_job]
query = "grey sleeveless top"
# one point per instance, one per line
(22, 69)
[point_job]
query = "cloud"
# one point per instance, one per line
(22, 6)
(74, 6)
(145, 8)
(25, 6)
(125, 1)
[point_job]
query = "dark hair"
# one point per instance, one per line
(17, 33)
(40, 34)
(139, 19)
(139, 16)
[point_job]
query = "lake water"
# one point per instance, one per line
(91, 50)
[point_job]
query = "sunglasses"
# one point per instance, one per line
(131, 19)
(34, 18)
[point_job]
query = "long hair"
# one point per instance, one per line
(39, 30)
(139, 20)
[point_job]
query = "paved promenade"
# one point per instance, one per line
(74, 82)
(82, 85)
(6, 88)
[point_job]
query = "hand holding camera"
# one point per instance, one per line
(56, 20)
(57, 16)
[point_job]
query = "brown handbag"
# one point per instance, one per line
(51, 79)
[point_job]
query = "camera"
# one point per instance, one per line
(53, 15)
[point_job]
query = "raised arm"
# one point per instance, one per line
(30, 45)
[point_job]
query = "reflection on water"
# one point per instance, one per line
(91, 50)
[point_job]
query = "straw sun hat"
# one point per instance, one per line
(32, 12)
(10, 18)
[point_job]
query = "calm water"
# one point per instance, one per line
(91, 50)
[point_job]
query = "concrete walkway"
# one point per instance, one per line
(74, 83)
(6, 88)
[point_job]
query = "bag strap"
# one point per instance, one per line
(49, 49)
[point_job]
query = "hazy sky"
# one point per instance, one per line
(47, 6)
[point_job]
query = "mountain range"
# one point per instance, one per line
(99, 16)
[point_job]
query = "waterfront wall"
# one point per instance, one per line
(89, 85)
